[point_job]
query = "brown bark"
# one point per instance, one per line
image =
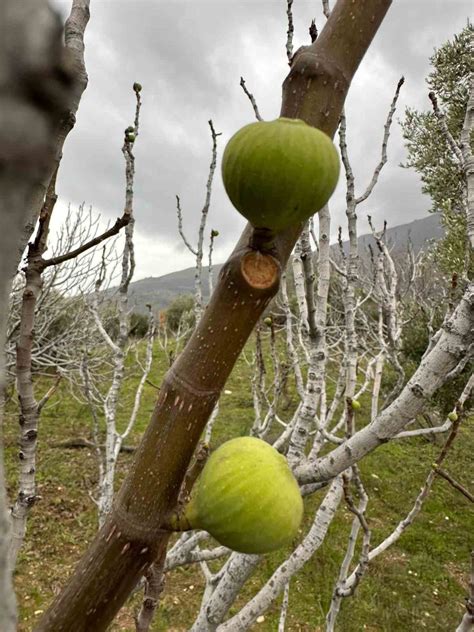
(131, 539)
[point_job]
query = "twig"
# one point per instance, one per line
(454, 483)
(251, 98)
(49, 393)
(326, 8)
(180, 227)
(154, 586)
(386, 135)
(444, 126)
(120, 222)
(290, 31)
(467, 623)
(284, 608)
(425, 490)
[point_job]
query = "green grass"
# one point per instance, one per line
(420, 582)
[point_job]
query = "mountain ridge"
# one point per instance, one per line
(160, 291)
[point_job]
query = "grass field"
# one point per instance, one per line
(420, 582)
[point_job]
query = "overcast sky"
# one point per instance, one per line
(189, 57)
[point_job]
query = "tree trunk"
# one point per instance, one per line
(36, 88)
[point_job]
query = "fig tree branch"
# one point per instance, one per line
(131, 538)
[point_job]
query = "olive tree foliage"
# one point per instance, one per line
(431, 153)
(180, 311)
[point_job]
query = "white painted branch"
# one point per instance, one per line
(452, 344)
(340, 590)
(467, 622)
(316, 341)
(235, 573)
(200, 555)
(468, 158)
(179, 212)
(150, 337)
(214, 234)
(351, 268)
(284, 608)
(291, 349)
(251, 99)
(424, 431)
(210, 424)
(425, 490)
(386, 135)
(310, 544)
(298, 278)
(198, 307)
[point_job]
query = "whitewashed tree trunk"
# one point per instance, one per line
(30, 63)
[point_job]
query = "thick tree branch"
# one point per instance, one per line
(452, 344)
(37, 86)
(60, 88)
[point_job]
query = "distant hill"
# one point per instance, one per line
(160, 291)
(418, 233)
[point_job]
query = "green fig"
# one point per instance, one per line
(279, 173)
(137, 87)
(356, 405)
(268, 321)
(453, 416)
(246, 497)
(214, 233)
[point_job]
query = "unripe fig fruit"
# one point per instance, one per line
(356, 405)
(214, 233)
(137, 87)
(453, 416)
(247, 497)
(268, 321)
(130, 137)
(279, 173)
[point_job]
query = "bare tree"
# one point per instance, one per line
(61, 328)
(30, 408)
(125, 548)
(119, 348)
(198, 251)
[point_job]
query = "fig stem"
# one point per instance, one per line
(262, 239)
(177, 521)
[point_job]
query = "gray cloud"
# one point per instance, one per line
(189, 57)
